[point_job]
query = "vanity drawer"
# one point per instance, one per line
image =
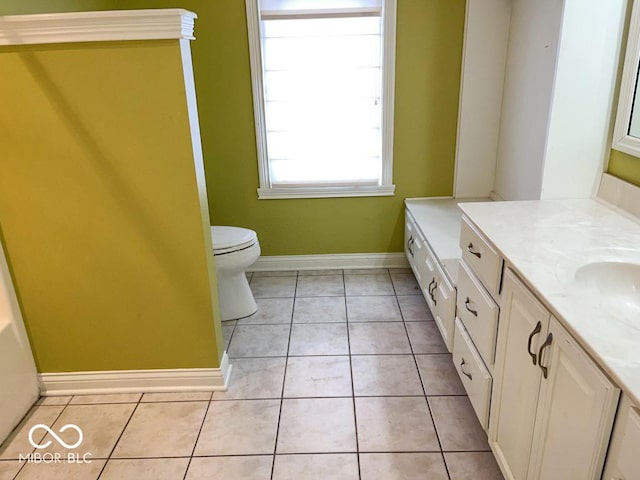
(478, 312)
(443, 295)
(474, 375)
(410, 235)
(430, 267)
(414, 248)
(481, 256)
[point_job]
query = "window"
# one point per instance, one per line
(323, 80)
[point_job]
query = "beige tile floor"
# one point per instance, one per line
(340, 375)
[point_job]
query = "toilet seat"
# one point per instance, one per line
(231, 239)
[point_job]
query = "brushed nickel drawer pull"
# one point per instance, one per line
(472, 251)
(462, 364)
(466, 305)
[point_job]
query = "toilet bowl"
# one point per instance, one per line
(235, 249)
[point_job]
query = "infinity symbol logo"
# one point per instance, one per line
(52, 433)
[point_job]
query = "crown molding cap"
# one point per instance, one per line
(114, 25)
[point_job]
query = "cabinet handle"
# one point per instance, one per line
(432, 293)
(466, 305)
(472, 251)
(429, 287)
(462, 364)
(535, 331)
(410, 242)
(547, 342)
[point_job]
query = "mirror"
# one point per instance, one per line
(626, 135)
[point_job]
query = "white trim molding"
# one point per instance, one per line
(330, 261)
(622, 141)
(137, 381)
(324, 192)
(269, 190)
(151, 24)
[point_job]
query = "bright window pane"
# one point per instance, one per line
(289, 115)
(322, 85)
(320, 53)
(321, 27)
(306, 85)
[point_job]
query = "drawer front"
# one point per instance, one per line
(481, 256)
(474, 375)
(444, 298)
(430, 266)
(410, 234)
(478, 312)
(414, 246)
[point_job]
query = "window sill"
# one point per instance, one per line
(326, 192)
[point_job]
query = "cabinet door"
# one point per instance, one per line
(623, 462)
(522, 329)
(575, 414)
(444, 298)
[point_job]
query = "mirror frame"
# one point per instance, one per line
(621, 139)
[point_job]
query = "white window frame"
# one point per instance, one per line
(386, 188)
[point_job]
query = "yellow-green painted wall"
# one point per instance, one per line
(624, 166)
(429, 46)
(429, 52)
(100, 208)
(73, 325)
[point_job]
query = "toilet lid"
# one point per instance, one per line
(229, 239)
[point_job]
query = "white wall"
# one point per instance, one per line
(531, 62)
(485, 51)
(560, 78)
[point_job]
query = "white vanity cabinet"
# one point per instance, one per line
(479, 276)
(623, 460)
(443, 297)
(415, 250)
(437, 289)
(552, 407)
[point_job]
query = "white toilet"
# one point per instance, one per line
(235, 249)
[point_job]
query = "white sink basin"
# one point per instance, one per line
(617, 281)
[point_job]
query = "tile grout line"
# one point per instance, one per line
(195, 444)
(64, 407)
(284, 379)
(353, 389)
(113, 449)
(426, 399)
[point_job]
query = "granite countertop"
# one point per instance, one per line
(545, 242)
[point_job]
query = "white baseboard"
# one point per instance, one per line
(330, 261)
(137, 381)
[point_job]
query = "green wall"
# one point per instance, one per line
(429, 46)
(429, 52)
(624, 166)
(125, 301)
(100, 208)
